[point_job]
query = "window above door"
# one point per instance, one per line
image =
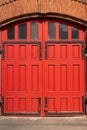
(53, 30)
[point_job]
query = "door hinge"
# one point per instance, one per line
(46, 105)
(83, 53)
(2, 105)
(83, 50)
(39, 104)
(86, 103)
(2, 101)
(46, 51)
(46, 102)
(40, 55)
(83, 104)
(1, 51)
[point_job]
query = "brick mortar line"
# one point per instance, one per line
(81, 1)
(11, 1)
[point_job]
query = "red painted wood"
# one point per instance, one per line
(25, 77)
(64, 79)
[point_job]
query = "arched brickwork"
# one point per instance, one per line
(73, 10)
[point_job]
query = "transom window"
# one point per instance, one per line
(33, 30)
(63, 31)
(22, 31)
(10, 33)
(51, 30)
(75, 33)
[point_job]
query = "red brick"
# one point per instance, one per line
(67, 9)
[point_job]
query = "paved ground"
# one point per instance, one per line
(43, 123)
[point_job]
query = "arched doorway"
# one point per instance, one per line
(43, 68)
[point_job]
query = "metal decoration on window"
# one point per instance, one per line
(34, 30)
(10, 33)
(75, 33)
(51, 30)
(63, 31)
(22, 31)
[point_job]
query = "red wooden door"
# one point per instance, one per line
(43, 74)
(63, 72)
(22, 74)
(63, 78)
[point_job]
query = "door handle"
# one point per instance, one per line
(39, 104)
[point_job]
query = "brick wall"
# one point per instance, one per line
(68, 9)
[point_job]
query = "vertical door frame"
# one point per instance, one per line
(86, 69)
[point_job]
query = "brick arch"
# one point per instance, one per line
(14, 10)
(49, 15)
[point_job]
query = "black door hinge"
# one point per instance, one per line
(1, 51)
(2, 101)
(83, 104)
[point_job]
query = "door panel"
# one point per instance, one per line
(23, 69)
(64, 66)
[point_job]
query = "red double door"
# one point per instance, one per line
(43, 77)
